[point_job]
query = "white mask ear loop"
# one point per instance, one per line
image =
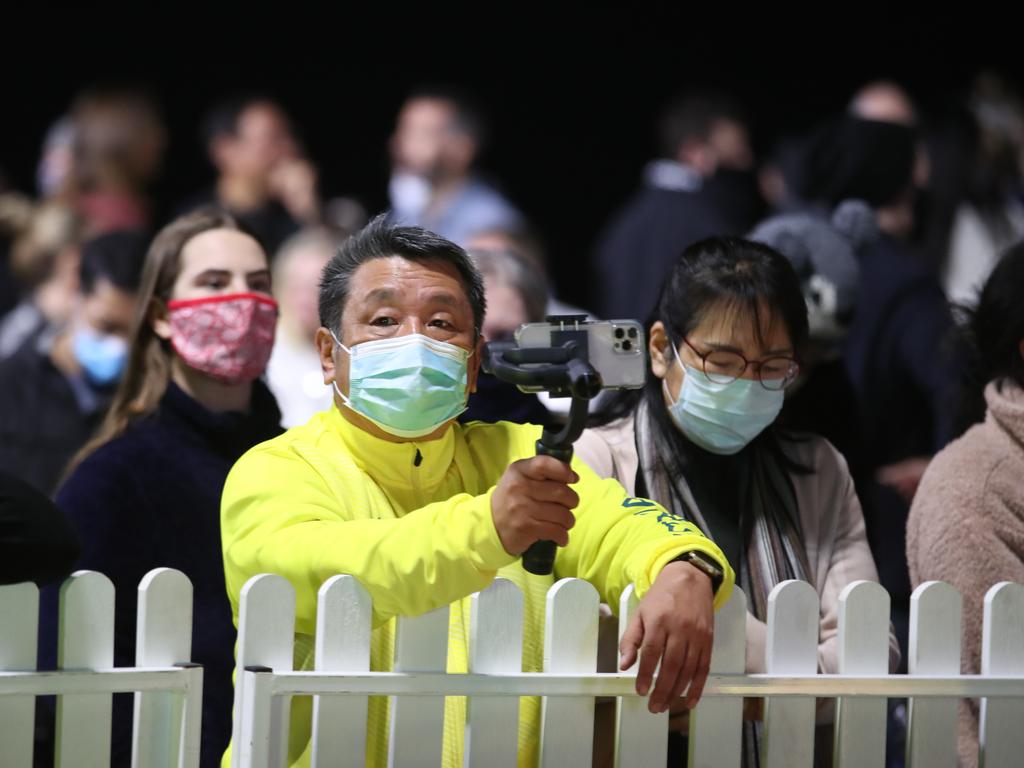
(337, 389)
(664, 384)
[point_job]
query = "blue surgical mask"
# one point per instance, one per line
(722, 418)
(102, 356)
(408, 385)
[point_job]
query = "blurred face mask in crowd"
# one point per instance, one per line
(101, 355)
(409, 385)
(227, 337)
(100, 329)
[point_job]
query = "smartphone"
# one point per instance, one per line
(615, 348)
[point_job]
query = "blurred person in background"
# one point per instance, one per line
(522, 242)
(44, 265)
(823, 253)
(293, 373)
(990, 216)
(701, 185)
(438, 136)
(516, 292)
(263, 177)
(145, 491)
(898, 351)
(56, 159)
(966, 526)
(55, 390)
(117, 146)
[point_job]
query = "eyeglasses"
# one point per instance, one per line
(723, 367)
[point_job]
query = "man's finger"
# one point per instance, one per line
(552, 492)
(667, 686)
(688, 669)
(699, 679)
(548, 468)
(651, 651)
(630, 640)
(553, 514)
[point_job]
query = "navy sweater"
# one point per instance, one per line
(151, 498)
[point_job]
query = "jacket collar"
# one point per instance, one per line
(414, 464)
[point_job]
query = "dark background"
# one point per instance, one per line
(571, 92)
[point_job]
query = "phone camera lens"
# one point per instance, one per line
(632, 333)
(619, 333)
(627, 345)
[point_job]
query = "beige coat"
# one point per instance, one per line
(830, 514)
(966, 526)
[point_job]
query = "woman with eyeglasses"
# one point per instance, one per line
(700, 437)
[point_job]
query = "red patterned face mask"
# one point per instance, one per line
(226, 337)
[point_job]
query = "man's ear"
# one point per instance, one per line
(325, 348)
(659, 348)
(473, 364)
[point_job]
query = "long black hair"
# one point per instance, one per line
(995, 330)
(737, 275)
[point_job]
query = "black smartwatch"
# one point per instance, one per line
(705, 563)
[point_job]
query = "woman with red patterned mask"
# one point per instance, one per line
(145, 492)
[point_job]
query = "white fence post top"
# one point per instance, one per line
(792, 641)
(19, 620)
(266, 622)
(936, 614)
(1003, 630)
(164, 625)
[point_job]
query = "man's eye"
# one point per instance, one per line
(439, 323)
(382, 321)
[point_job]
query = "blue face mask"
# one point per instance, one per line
(101, 356)
(722, 418)
(409, 385)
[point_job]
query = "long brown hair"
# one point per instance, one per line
(149, 357)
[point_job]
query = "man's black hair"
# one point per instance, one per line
(117, 257)
(381, 240)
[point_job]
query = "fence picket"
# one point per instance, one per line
(344, 617)
(163, 638)
(417, 723)
(85, 641)
(570, 645)
(934, 649)
(791, 648)
(1000, 735)
(495, 647)
(716, 725)
(639, 735)
(863, 650)
(19, 624)
(266, 638)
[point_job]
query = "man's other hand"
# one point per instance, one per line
(674, 625)
(533, 502)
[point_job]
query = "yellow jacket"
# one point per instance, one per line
(412, 521)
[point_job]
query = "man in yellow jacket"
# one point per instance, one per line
(388, 487)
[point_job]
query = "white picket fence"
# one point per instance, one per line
(168, 699)
(342, 680)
